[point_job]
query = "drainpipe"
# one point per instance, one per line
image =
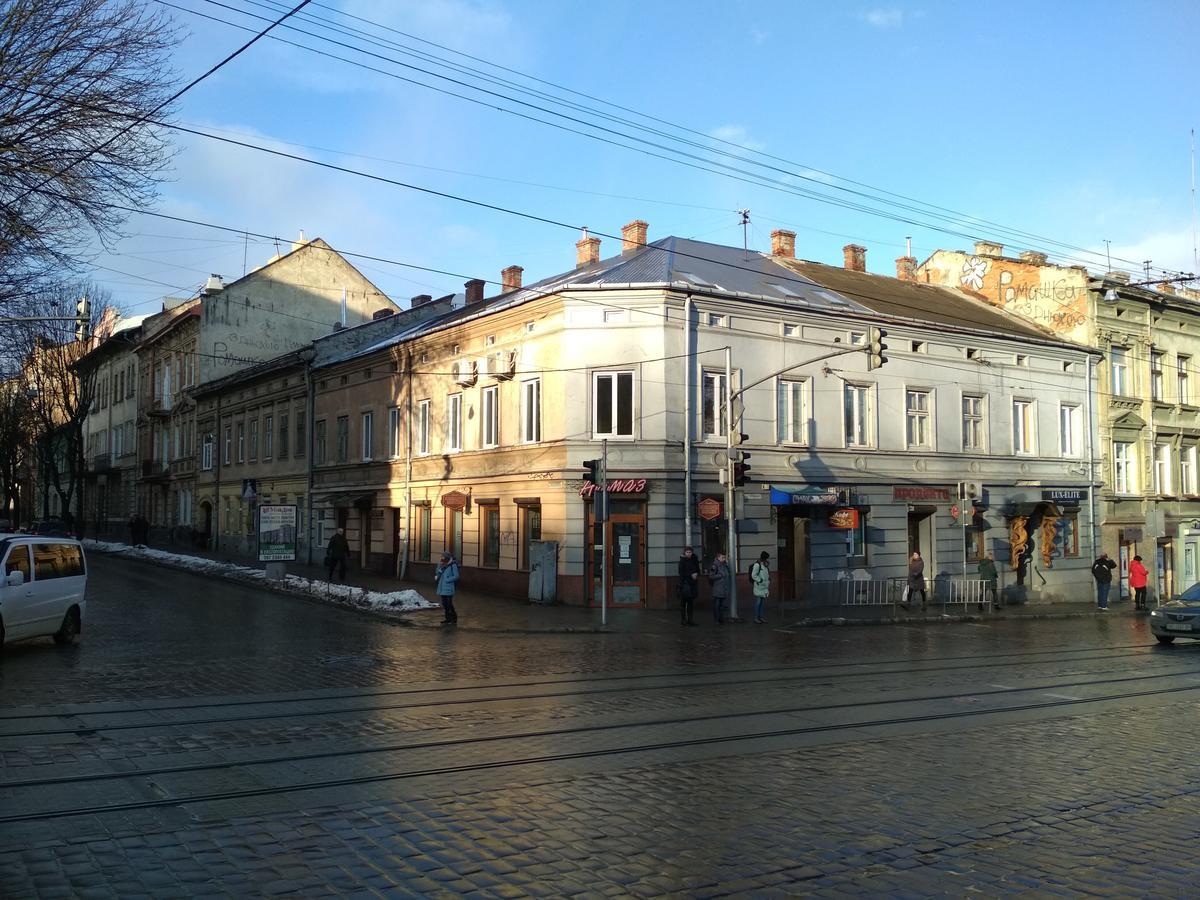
(218, 446)
(310, 427)
(1091, 458)
(687, 420)
(407, 467)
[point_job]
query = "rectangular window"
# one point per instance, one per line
(489, 535)
(531, 411)
(1124, 469)
(1120, 370)
(343, 439)
(454, 534)
(490, 417)
(393, 432)
(856, 542)
(454, 422)
(228, 445)
(241, 442)
(531, 530)
(1162, 469)
(302, 438)
(1070, 421)
(368, 436)
(974, 547)
(1156, 375)
(283, 436)
(715, 403)
(612, 404)
(319, 441)
(1184, 389)
(1066, 535)
(917, 425)
(424, 541)
(268, 437)
(856, 400)
(423, 423)
(1023, 426)
(206, 453)
(793, 411)
(1187, 470)
(253, 440)
(973, 431)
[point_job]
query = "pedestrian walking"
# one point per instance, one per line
(987, 574)
(916, 580)
(1137, 581)
(760, 578)
(337, 553)
(688, 586)
(1102, 570)
(719, 577)
(447, 578)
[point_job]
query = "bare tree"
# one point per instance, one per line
(78, 79)
(16, 426)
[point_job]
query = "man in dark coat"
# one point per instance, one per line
(337, 553)
(720, 576)
(1102, 570)
(689, 583)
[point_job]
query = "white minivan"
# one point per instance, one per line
(42, 588)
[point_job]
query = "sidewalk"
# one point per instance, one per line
(481, 612)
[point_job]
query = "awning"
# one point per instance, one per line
(805, 495)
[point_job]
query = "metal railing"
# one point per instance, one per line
(850, 594)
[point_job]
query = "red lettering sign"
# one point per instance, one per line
(616, 486)
(920, 493)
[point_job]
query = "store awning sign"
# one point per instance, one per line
(809, 495)
(616, 486)
(1064, 495)
(912, 492)
(844, 518)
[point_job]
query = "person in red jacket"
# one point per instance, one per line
(1137, 581)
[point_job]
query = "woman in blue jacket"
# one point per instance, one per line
(447, 578)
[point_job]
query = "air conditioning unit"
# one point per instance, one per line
(500, 365)
(465, 371)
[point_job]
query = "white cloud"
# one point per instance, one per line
(880, 17)
(736, 134)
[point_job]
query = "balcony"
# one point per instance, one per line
(159, 406)
(100, 462)
(155, 470)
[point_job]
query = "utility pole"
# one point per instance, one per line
(1108, 252)
(601, 503)
(730, 495)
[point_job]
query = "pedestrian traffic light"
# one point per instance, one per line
(83, 319)
(876, 348)
(591, 471)
(741, 467)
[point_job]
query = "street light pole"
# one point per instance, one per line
(730, 496)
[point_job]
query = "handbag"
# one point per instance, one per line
(904, 594)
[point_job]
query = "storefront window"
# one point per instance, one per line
(856, 542)
(1066, 535)
(423, 518)
(975, 544)
(531, 530)
(489, 537)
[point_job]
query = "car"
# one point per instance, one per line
(1178, 618)
(56, 527)
(43, 581)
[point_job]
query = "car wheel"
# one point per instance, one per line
(69, 629)
(1164, 638)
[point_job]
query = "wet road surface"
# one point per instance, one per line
(205, 738)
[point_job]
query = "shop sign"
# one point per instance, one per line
(454, 500)
(616, 486)
(276, 533)
(807, 496)
(709, 509)
(912, 492)
(843, 518)
(1063, 495)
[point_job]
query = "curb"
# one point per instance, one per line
(842, 621)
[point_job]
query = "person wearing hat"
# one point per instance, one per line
(1137, 581)
(447, 577)
(760, 578)
(1102, 570)
(689, 585)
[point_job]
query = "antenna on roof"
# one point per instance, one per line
(745, 214)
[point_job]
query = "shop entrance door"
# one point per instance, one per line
(626, 559)
(794, 566)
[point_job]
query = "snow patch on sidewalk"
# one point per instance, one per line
(393, 601)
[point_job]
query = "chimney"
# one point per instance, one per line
(474, 290)
(381, 313)
(510, 278)
(855, 256)
(1119, 277)
(421, 300)
(633, 236)
(1033, 257)
(587, 250)
(783, 243)
(906, 268)
(988, 248)
(1165, 287)
(296, 245)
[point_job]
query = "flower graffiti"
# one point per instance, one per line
(973, 271)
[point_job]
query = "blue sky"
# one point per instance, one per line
(1069, 122)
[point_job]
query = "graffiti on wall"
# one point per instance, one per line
(1036, 292)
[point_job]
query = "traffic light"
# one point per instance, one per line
(591, 471)
(83, 319)
(741, 467)
(876, 348)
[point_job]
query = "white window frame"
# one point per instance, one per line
(1162, 469)
(367, 436)
(1119, 367)
(225, 457)
(923, 418)
(858, 400)
(615, 376)
(1183, 385)
(1156, 375)
(454, 408)
(423, 422)
(531, 411)
(206, 453)
(974, 422)
(1024, 426)
(1070, 430)
(1187, 471)
(489, 417)
(713, 420)
(394, 432)
(793, 407)
(1124, 456)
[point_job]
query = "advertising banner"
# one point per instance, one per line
(277, 533)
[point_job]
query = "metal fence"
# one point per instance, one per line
(851, 594)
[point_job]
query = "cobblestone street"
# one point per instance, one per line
(212, 739)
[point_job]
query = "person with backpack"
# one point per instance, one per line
(689, 585)
(760, 578)
(719, 577)
(446, 575)
(1102, 570)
